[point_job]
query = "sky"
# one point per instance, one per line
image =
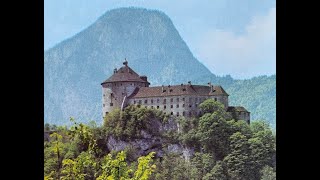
(236, 37)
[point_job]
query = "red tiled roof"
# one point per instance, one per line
(125, 73)
(178, 90)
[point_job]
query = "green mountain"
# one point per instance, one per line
(148, 39)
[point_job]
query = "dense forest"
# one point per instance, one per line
(224, 149)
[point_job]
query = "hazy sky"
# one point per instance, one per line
(236, 37)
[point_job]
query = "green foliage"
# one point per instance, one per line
(268, 173)
(117, 168)
(174, 167)
(257, 94)
(213, 133)
(145, 168)
(47, 127)
(210, 106)
(218, 172)
(75, 154)
(202, 163)
(128, 124)
(238, 160)
(224, 148)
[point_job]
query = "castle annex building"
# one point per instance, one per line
(126, 87)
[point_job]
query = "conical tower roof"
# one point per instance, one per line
(124, 74)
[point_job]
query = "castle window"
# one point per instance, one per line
(134, 102)
(164, 101)
(157, 107)
(164, 107)
(177, 105)
(151, 100)
(171, 113)
(170, 90)
(158, 100)
(104, 105)
(171, 100)
(164, 90)
(151, 107)
(111, 104)
(177, 99)
(107, 113)
(146, 101)
(139, 101)
(171, 106)
(183, 105)
(184, 89)
(196, 105)
(183, 99)
(215, 99)
(177, 113)
(183, 113)
(190, 105)
(121, 84)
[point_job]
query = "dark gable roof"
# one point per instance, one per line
(177, 90)
(124, 74)
(236, 109)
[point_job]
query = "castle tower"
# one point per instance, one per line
(117, 88)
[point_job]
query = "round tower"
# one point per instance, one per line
(117, 89)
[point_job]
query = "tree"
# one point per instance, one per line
(57, 146)
(145, 167)
(47, 127)
(210, 106)
(174, 167)
(218, 172)
(238, 160)
(268, 173)
(213, 133)
(83, 167)
(262, 147)
(203, 163)
(114, 168)
(117, 168)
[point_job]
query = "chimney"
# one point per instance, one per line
(145, 78)
(211, 90)
(189, 83)
(125, 62)
(115, 70)
(209, 83)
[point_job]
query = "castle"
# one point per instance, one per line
(126, 87)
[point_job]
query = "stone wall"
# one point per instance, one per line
(177, 105)
(114, 93)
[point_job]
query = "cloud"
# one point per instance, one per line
(243, 56)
